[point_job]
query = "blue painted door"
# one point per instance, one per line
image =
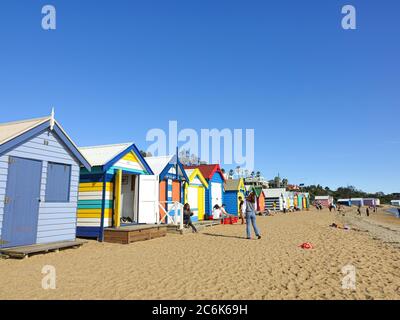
(21, 208)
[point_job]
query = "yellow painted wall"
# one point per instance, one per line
(118, 200)
(201, 203)
(240, 194)
(95, 186)
(130, 157)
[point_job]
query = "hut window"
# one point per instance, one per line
(58, 182)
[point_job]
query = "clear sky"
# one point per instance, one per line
(324, 102)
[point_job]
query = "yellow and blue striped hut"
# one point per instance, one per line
(109, 193)
(195, 192)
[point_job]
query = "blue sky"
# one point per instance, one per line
(324, 102)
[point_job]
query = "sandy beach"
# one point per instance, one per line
(219, 263)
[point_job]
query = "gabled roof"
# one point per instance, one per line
(106, 156)
(258, 191)
(193, 173)
(15, 133)
(233, 184)
(160, 165)
(208, 170)
(101, 155)
(10, 130)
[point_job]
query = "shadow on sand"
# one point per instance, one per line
(221, 235)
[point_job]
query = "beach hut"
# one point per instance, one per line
(109, 193)
(234, 188)
(395, 203)
(164, 190)
(39, 176)
(288, 200)
(371, 202)
(300, 201)
(357, 202)
(277, 195)
(307, 197)
(258, 191)
(215, 179)
(195, 193)
(325, 201)
(345, 202)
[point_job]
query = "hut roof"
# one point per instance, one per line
(258, 191)
(12, 133)
(100, 155)
(159, 164)
(233, 184)
(208, 170)
(11, 130)
(193, 173)
(106, 156)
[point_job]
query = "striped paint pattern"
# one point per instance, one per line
(90, 204)
(91, 192)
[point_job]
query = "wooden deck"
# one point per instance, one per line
(25, 251)
(133, 233)
(198, 224)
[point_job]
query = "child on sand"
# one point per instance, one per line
(249, 209)
(187, 213)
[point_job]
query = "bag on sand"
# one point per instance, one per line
(306, 245)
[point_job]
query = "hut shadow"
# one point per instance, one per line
(221, 235)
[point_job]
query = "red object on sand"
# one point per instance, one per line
(306, 245)
(229, 220)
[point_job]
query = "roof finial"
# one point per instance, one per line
(52, 120)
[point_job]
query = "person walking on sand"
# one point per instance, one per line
(367, 211)
(359, 210)
(187, 220)
(274, 205)
(249, 209)
(241, 202)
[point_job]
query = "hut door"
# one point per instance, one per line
(22, 198)
(176, 191)
(193, 200)
(216, 194)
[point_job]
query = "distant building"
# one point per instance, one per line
(250, 182)
(395, 203)
(325, 201)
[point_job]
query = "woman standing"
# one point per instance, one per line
(187, 213)
(249, 210)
